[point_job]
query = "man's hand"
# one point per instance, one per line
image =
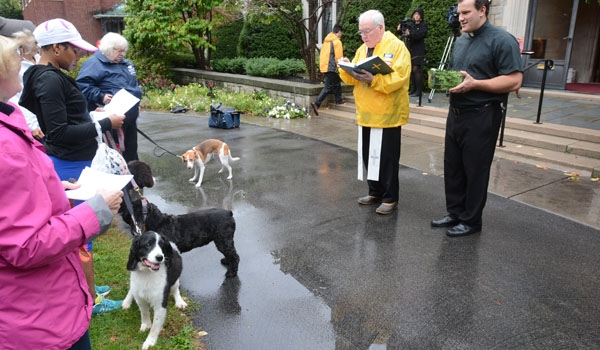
(107, 98)
(363, 75)
(466, 86)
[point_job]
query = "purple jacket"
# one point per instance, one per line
(44, 298)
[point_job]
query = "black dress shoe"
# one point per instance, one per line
(315, 108)
(446, 221)
(463, 230)
(368, 200)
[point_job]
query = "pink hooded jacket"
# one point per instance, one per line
(44, 298)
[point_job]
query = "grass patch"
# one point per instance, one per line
(120, 329)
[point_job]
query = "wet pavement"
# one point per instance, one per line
(318, 271)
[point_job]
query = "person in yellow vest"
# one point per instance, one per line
(331, 51)
(382, 107)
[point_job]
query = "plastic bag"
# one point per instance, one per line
(108, 160)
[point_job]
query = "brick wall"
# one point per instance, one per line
(78, 12)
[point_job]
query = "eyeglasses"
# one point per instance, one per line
(366, 31)
(123, 51)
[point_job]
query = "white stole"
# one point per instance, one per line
(374, 154)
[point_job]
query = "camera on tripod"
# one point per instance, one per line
(453, 21)
(406, 23)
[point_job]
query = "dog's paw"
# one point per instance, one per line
(145, 326)
(229, 177)
(192, 180)
(147, 344)
(127, 302)
(198, 185)
(180, 304)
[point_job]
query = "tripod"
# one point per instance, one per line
(444, 60)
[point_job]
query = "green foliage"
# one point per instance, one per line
(260, 66)
(392, 12)
(443, 79)
(11, 9)
(272, 39)
(226, 38)
(273, 68)
(289, 110)
(120, 329)
(230, 65)
(160, 27)
(198, 98)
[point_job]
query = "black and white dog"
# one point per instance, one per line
(192, 230)
(155, 265)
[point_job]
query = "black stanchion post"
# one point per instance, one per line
(504, 109)
(548, 64)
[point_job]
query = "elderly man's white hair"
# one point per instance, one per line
(374, 15)
(111, 40)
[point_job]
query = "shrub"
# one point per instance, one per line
(230, 65)
(258, 39)
(274, 68)
(225, 39)
(198, 98)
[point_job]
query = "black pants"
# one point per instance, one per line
(84, 343)
(130, 134)
(470, 144)
(416, 77)
(387, 187)
(332, 84)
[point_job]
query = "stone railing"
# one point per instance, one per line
(300, 93)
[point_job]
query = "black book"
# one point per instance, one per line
(373, 64)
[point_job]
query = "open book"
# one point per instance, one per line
(373, 64)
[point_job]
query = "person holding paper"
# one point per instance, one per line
(62, 113)
(103, 75)
(45, 299)
(382, 107)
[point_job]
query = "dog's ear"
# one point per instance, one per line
(135, 245)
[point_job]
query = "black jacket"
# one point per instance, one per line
(418, 32)
(62, 112)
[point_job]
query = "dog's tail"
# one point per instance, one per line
(228, 152)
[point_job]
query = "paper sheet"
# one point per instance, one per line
(121, 103)
(92, 181)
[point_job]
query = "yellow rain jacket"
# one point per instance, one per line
(384, 103)
(325, 64)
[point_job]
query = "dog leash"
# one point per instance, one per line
(127, 199)
(157, 145)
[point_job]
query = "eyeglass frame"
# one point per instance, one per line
(367, 32)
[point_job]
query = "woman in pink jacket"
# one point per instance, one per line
(44, 297)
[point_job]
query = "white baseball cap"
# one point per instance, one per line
(58, 30)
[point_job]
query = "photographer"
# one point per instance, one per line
(416, 34)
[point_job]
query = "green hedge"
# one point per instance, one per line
(258, 39)
(260, 66)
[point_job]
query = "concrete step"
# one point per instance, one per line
(547, 144)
